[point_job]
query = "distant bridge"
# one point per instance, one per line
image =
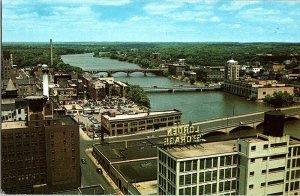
(127, 71)
(180, 88)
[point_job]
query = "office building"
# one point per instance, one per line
(268, 164)
(115, 125)
(176, 69)
(257, 89)
(232, 70)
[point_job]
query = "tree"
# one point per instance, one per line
(137, 94)
(279, 99)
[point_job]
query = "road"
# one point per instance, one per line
(89, 176)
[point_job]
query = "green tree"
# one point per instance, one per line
(137, 94)
(279, 99)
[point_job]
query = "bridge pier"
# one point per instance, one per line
(128, 74)
(145, 73)
(109, 74)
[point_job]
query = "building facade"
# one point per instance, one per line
(176, 69)
(261, 165)
(40, 154)
(256, 89)
(132, 123)
(232, 70)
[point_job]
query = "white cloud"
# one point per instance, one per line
(161, 9)
(215, 19)
(138, 18)
(237, 5)
(265, 15)
(65, 2)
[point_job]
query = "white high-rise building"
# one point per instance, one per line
(232, 70)
(261, 165)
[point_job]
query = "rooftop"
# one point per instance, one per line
(147, 188)
(139, 115)
(13, 125)
(204, 149)
(138, 171)
(254, 139)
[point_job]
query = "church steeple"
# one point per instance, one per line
(11, 90)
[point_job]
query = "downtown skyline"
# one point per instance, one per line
(150, 21)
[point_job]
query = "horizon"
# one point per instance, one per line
(182, 21)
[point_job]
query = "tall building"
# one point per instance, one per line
(41, 153)
(268, 164)
(232, 70)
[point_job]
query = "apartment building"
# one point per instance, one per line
(115, 125)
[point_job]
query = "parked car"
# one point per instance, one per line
(99, 171)
(83, 160)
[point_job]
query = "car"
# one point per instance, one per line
(99, 171)
(83, 160)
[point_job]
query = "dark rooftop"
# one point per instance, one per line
(138, 171)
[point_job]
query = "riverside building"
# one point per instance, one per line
(268, 164)
(115, 125)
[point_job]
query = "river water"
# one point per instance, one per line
(195, 106)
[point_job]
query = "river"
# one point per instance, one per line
(195, 106)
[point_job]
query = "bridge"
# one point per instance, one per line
(240, 122)
(127, 71)
(179, 88)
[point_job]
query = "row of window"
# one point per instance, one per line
(271, 183)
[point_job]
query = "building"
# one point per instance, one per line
(210, 74)
(156, 56)
(278, 67)
(268, 164)
(130, 164)
(102, 87)
(176, 69)
(40, 154)
(232, 70)
(257, 89)
(115, 125)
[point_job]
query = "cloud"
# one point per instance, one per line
(161, 9)
(138, 18)
(237, 5)
(265, 15)
(65, 2)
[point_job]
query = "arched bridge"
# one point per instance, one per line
(127, 71)
(235, 123)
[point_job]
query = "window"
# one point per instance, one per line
(263, 184)
(278, 145)
(253, 148)
(279, 169)
(264, 171)
(275, 182)
(266, 146)
(252, 173)
(265, 158)
(252, 160)
(251, 186)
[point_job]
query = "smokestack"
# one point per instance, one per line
(11, 59)
(51, 53)
(274, 123)
(45, 80)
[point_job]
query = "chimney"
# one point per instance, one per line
(274, 123)
(51, 53)
(45, 80)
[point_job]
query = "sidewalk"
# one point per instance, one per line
(88, 152)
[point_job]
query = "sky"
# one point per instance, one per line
(151, 20)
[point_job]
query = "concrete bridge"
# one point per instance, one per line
(180, 88)
(127, 71)
(232, 124)
(241, 122)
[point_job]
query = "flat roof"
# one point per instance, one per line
(294, 141)
(91, 190)
(147, 188)
(138, 171)
(139, 115)
(137, 149)
(254, 139)
(13, 125)
(204, 149)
